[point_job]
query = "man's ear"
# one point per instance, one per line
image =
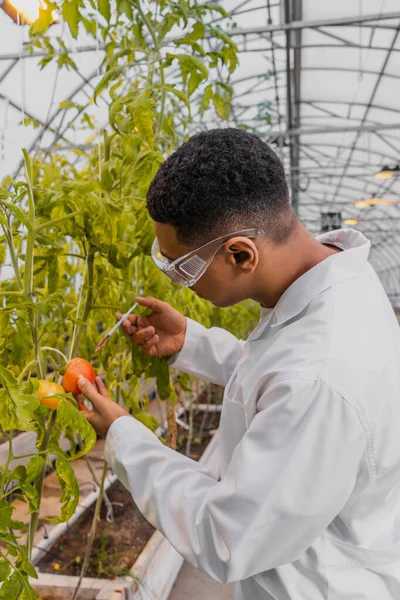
(243, 253)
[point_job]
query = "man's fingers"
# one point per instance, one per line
(101, 387)
(150, 346)
(157, 306)
(128, 329)
(131, 318)
(129, 326)
(142, 322)
(81, 402)
(93, 418)
(90, 392)
(141, 336)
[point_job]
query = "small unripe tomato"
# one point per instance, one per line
(46, 392)
(77, 368)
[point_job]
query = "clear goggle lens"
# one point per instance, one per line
(188, 269)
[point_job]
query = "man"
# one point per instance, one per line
(308, 507)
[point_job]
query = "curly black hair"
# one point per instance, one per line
(220, 181)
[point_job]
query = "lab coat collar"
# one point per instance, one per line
(330, 271)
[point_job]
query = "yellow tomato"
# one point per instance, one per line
(46, 390)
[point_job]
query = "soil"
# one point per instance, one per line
(117, 545)
(204, 424)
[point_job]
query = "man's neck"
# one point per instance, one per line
(283, 265)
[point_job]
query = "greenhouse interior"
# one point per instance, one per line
(127, 472)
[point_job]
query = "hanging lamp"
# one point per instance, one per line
(22, 12)
(387, 173)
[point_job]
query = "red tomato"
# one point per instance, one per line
(78, 367)
(46, 390)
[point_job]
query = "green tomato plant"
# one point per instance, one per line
(77, 234)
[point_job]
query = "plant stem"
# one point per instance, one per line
(26, 369)
(107, 501)
(65, 359)
(30, 241)
(172, 429)
(205, 414)
(39, 483)
(162, 77)
(36, 344)
(92, 533)
(11, 293)
(56, 221)
(88, 303)
(10, 457)
(29, 455)
(14, 260)
(190, 434)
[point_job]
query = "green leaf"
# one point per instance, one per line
(53, 273)
(166, 25)
(6, 511)
(34, 468)
(189, 64)
(18, 525)
(125, 7)
(105, 9)
(43, 22)
(118, 256)
(70, 488)
(197, 33)
(148, 420)
(72, 16)
(12, 588)
(28, 568)
(141, 111)
(213, 6)
(222, 107)
(109, 76)
(107, 181)
(207, 97)
(17, 213)
(47, 60)
(194, 81)
(178, 93)
(222, 35)
(19, 473)
(64, 60)
(32, 495)
(69, 416)
(16, 409)
(160, 370)
(89, 25)
(5, 569)
(80, 187)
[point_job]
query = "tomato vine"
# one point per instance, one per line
(77, 235)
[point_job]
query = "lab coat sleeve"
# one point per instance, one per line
(210, 354)
(290, 475)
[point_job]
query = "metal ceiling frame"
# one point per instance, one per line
(368, 108)
(312, 24)
(323, 170)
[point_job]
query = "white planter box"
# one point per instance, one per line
(49, 586)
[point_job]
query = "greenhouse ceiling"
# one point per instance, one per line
(320, 81)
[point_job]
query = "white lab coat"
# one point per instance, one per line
(308, 507)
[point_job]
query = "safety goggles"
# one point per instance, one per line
(188, 269)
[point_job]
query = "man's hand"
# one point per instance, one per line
(160, 334)
(104, 411)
